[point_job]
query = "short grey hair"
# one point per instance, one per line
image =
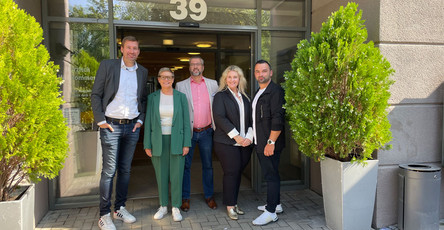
(165, 69)
(196, 57)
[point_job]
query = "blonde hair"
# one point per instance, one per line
(242, 81)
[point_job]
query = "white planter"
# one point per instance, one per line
(88, 152)
(18, 214)
(349, 193)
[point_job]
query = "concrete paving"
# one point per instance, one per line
(303, 210)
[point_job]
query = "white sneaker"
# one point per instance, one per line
(265, 218)
(123, 214)
(161, 212)
(176, 214)
(278, 208)
(106, 223)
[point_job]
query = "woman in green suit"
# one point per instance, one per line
(167, 140)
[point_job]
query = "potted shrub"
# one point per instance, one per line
(337, 104)
(33, 140)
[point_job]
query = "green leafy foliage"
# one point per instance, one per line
(33, 140)
(337, 91)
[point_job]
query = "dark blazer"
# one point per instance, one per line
(226, 116)
(270, 115)
(106, 85)
(180, 134)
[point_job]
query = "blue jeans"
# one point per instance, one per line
(117, 153)
(205, 141)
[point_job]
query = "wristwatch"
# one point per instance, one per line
(270, 142)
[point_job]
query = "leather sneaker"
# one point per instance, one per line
(161, 212)
(176, 214)
(265, 218)
(278, 208)
(123, 214)
(106, 223)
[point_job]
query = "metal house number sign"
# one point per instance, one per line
(198, 9)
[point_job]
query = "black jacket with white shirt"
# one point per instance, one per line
(226, 116)
(270, 115)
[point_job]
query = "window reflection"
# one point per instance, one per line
(78, 49)
(78, 8)
(283, 13)
(279, 48)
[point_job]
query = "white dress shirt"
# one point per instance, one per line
(125, 105)
(234, 132)
(259, 93)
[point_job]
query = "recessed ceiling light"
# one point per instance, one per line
(168, 42)
(204, 44)
(192, 53)
(185, 59)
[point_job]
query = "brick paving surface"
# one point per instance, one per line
(303, 210)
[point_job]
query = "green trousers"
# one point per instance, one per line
(169, 168)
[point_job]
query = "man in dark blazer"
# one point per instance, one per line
(269, 138)
(118, 101)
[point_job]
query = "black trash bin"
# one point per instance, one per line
(418, 197)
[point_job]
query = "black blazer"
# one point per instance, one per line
(270, 115)
(226, 116)
(106, 85)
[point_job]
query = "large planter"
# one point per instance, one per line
(18, 214)
(349, 193)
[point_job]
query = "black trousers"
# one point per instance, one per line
(270, 172)
(233, 159)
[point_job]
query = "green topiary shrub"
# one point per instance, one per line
(337, 91)
(33, 140)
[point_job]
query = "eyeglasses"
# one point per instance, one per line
(195, 64)
(166, 77)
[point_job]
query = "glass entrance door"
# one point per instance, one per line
(173, 49)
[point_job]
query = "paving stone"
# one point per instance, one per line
(303, 210)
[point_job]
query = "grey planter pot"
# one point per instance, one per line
(349, 193)
(18, 214)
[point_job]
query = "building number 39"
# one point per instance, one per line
(197, 7)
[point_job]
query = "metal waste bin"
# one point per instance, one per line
(418, 197)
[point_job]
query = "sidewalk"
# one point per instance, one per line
(303, 210)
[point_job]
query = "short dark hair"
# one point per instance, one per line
(262, 61)
(129, 38)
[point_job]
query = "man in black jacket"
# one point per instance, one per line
(269, 138)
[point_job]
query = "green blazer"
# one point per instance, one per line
(180, 135)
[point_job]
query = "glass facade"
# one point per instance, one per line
(228, 12)
(81, 33)
(289, 13)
